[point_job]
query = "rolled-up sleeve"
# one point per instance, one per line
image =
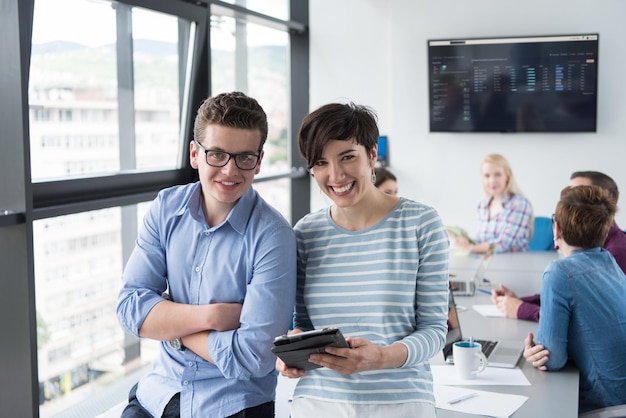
(144, 277)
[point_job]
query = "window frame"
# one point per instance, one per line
(23, 201)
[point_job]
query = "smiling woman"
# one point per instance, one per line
(505, 216)
(361, 263)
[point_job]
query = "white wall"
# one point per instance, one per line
(373, 52)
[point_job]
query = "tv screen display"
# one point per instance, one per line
(516, 84)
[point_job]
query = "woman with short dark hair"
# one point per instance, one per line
(374, 265)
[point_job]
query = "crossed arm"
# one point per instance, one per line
(192, 323)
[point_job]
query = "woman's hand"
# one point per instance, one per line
(536, 355)
(290, 372)
(364, 355)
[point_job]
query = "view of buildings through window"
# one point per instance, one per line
(255, 59)
(93, 113)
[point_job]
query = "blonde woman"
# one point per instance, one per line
(504, 215)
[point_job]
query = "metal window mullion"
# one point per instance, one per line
(299, 76)
(125, 88)
(241, 55)
(19, 390)
(127, 144)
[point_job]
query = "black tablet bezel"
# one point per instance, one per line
(295, 349)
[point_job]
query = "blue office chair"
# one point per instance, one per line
(618, 411)
(543, 239)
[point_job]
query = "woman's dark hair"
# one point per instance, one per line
(382, 175)
(336, 121)
(585, 215)
(235, 110)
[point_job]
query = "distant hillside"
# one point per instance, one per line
(56, 46)
(71, 64)
(146, 46)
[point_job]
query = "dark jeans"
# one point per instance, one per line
(172, 410)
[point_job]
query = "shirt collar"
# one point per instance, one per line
(238, 215)
(505, 199)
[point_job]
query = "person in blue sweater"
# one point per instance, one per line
(373, 265)
(583, 314)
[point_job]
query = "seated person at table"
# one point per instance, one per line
(528, 307)
(386, 181)
(583, 314)
(504, 216)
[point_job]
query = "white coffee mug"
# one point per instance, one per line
(469, 359)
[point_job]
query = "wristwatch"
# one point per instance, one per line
(176, 343)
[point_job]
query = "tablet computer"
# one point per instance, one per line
(294, 349)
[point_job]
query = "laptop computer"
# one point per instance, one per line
(504, 353)
(466, 275)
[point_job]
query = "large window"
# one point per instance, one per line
(85, 360)
(104, 98)
(112, 92)
(255, 59)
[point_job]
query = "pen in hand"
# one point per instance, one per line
(485, 291)
(462, 398)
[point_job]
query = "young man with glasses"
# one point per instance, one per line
(212, 276)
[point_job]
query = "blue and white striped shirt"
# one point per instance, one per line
(387, 283)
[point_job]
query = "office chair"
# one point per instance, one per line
(617, 411)
(543, 239)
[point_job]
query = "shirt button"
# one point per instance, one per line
(185, 383)
(197, 269)
(190, 364)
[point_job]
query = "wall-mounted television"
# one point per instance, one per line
(514, 84)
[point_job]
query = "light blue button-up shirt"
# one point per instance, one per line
(249, 258)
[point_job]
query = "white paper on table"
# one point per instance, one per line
(490, 310)
(491, 404)
(446, 375)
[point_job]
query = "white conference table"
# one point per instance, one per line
(550, 393)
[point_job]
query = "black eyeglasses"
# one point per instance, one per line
(218, 158)
(553, 218)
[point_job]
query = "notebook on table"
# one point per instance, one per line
(505, 353)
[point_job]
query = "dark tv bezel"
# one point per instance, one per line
(591, 36)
